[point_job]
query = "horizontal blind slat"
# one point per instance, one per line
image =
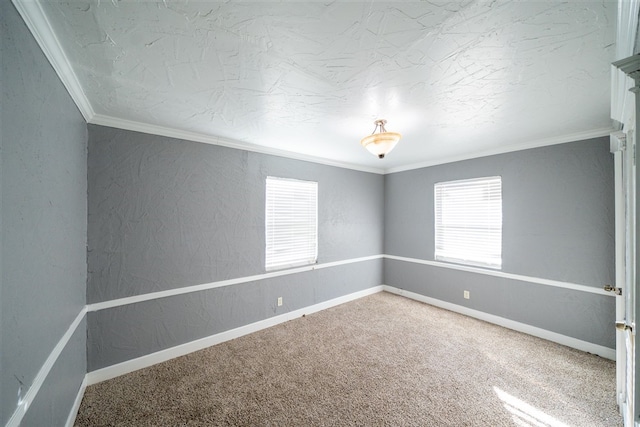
(291, 222)
(468, 221)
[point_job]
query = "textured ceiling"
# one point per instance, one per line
(457, 79)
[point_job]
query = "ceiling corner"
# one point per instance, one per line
(544, 142)
(37, 22)
(118, 123)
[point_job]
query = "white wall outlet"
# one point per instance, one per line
(466, 294)
(279, 301)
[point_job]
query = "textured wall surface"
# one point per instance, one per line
(558, 223)
(60, 389)
(44, 226)
(165, 214)
(582, 315)
(126, 332)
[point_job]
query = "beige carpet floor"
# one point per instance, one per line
(382, 360)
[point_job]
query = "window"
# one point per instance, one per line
(291, 223)
(468, 221)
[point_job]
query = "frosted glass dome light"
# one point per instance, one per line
(381, 143)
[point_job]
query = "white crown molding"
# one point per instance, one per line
(621, 98)
(37, 22)
(108, 121)
(626, 27)
(103, 120)
(602, 351)
(630, 66)
(573, 137)
(626, 32)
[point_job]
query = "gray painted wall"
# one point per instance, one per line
(126, 332)
(165, 213)
(558, 223)
(57, 395)
(44, 207)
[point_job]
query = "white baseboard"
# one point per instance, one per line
(76, 404)
(122, 368)
(132, 365)
(608, 353)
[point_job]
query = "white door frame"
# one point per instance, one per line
(618, 147)
(627, 357)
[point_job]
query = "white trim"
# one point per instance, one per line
(164, 355)
(24, 404)
(502, 274)
(627, 27)
(206, 286)
(606, 352)
(103, 120)
(114, 122)
(148, 360)
(180, 350)
(622, 100)
(578, 136)
(239, 280)
(37, 22)
(620, 250)
(630, 66)
(76, 403)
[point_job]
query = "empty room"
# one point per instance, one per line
(318, 213)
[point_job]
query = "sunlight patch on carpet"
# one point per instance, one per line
(525, 415)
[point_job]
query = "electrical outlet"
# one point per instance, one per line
(466, 295)
(279, 301)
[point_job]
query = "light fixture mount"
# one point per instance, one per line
(381, 143)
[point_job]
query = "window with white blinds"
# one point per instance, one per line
(468, 221)
(291, 223)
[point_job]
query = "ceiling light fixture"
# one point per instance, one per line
(380, 144)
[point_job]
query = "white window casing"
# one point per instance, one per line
(468, 221)
(291, 223)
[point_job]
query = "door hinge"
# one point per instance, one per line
(621, 325)
(609, 288)
(617, 141)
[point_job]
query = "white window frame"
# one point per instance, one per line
(291, 223)
(468, 221)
